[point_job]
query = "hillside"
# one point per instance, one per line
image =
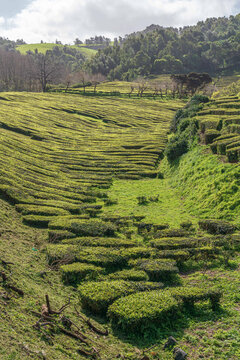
(91, 212)
(43, 48)
(210, 46)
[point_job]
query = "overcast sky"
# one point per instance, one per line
(48, 20)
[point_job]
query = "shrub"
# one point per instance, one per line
(140, 311)
(189, 295)
(210, 135)
(37, 220)
(99, 241)
(217, 226)
(200, 98)
(176, 147)
(93, 228)
(129, 274)
(76, 272)
(158, 269)
(58, 235)
(178, 255)
(97, 296)
(172, 233)
(27, 209)
(174, 243)
(56, 253)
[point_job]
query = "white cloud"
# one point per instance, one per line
(67, 19)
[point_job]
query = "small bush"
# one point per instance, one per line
(217, 226)
(93, 228)
(97, 296)
(175, 243)
(55, 236)
(138, 312)
(76, 272)
(158, 269)
(190, 295)
(175, 148)
(129, 274)
(99, 241)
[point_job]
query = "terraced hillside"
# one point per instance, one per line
(220, 125)
(128, 250)
(56, 150)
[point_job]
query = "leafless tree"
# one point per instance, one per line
(96, 79)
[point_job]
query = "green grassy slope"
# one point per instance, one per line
(88, 169)
(42, 48)
(209, 186)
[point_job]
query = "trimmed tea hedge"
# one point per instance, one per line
(217, 226)
(190, 295)
(174, 243)
(93, 228)
(158, 269)
(98, 241)
(140, 311)
(129, 274)
(76, 272)
(97, 296)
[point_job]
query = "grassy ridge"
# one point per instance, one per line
(209, 187)
(42, 48)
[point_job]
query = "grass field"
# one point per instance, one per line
(88, 214)
(42, 48)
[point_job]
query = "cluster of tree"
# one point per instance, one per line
(67, 56)
(36, 71)
(98, 40)
(31, 72)
(211, 46)
(7, 44)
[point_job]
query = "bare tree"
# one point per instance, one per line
(142, 86)
(96, 79)
(131, 90)
(47, 70)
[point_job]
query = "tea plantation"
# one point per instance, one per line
(94, 218)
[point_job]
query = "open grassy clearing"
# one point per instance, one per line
(43, 48)
(169, 209)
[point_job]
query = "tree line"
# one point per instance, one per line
(211, 46)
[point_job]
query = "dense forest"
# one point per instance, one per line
(210, 46)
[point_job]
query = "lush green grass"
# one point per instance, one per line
(42, 48)
(208, 186)
(168, 209)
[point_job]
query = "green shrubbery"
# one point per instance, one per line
(76, 272)
(217, 226)
(185, 128)
(190, 295)
(175, 243)
(128, 274)
(157, 269)
(93, 228)
(99, 241)
(97, 296)
(140, 311)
